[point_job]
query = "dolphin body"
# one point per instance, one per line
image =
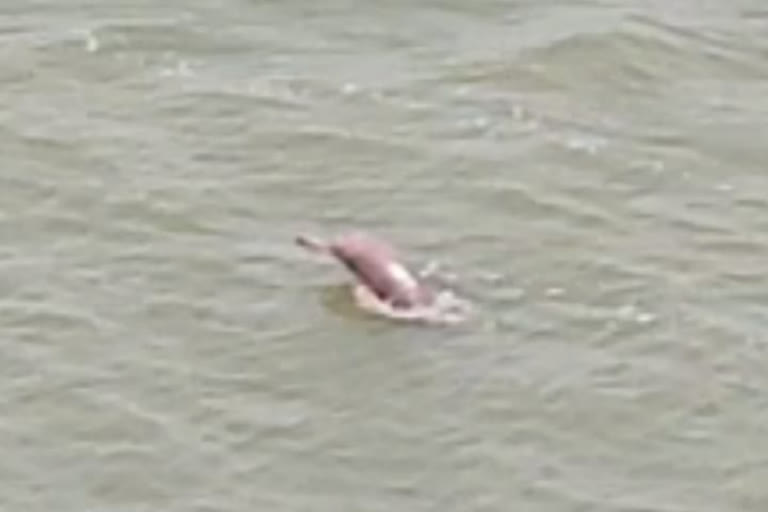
(375, 265)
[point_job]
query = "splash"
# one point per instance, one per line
(446, 309)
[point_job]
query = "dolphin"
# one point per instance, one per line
(375, 265)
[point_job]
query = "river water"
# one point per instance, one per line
(592, 175)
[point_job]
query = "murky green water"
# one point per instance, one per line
(593, 174)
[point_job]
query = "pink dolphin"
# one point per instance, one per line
(375, 265)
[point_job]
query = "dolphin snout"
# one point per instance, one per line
(311, 243)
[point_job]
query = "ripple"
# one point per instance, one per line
(591, 177)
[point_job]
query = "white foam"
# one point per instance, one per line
(91, 43)
(446, 308)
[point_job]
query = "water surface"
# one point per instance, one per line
(592, 175)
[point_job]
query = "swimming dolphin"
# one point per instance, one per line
(375, 265)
